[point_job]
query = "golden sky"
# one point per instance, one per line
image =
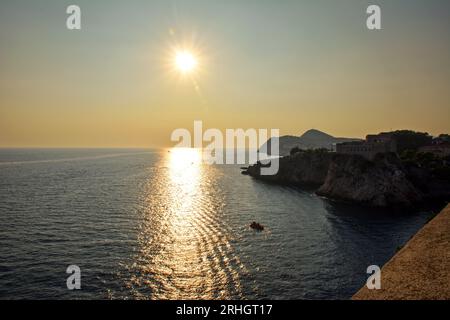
(292, 65)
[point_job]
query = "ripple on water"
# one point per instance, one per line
(160, 225)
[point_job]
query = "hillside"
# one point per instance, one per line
(311, 139)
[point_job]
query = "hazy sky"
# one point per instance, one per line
(287, 64)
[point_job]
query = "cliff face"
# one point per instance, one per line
(305, 168)
(383, 182)
(380, 183)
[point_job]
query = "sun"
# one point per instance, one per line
(185, 61)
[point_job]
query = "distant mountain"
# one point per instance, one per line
(311, 139)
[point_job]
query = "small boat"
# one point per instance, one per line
(256, 226)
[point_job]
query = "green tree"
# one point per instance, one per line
(411, 140)
(444, 137)
(295, 150)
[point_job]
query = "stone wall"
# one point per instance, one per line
(421, 269)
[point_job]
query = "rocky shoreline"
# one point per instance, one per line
(384, 181)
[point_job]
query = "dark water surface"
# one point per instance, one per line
(158, 224)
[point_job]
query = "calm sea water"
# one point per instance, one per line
(158, 224)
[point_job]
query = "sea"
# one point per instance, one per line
(162, 224)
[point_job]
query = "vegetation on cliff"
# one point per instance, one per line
(411, 140)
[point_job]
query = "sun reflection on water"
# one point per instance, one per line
(185, 249)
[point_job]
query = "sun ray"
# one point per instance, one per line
(185, 61)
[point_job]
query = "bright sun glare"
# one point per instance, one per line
(185, 61)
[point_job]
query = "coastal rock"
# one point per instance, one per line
(380, 183)
(304, 168)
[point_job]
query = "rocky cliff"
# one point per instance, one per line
(383, 182)
(303, 168)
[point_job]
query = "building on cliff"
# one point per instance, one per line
(438, 148)
(374, 144)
